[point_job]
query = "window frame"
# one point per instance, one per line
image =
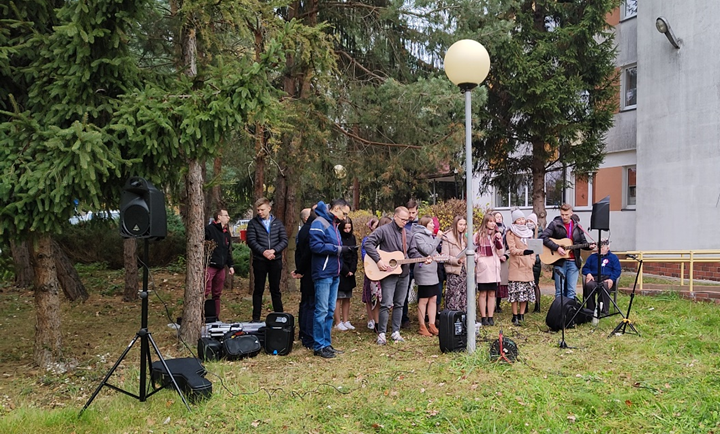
(624, 87)
(624, 10)
(626, 187)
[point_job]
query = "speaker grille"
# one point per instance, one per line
(136, 218)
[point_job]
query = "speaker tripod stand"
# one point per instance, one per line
(622, 326)
(145, 338)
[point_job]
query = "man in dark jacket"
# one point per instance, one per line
(326, 248)
(221, 256)
(391, 238)
(303, 267)
(565, 226)
(266, 238)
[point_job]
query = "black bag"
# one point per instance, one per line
(453, 331)
(189, 375)
(554, 317)
(210, 349)
(279, 333)
(239, 345)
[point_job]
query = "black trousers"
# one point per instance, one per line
(307, 311)
(270, 270)
(602, 292)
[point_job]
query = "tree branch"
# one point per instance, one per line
(359, 65)
(371, 143)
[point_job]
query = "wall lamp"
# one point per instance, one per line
(663, 26)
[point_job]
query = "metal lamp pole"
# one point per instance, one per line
(467, 63)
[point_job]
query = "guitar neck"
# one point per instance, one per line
(576, 246)
(411, 260)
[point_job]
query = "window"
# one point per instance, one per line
(630, 186)
(554, 188)
(517, 196)
(628, 8)
(629, 87)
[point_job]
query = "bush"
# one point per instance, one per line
(241, 259)
(446, 212)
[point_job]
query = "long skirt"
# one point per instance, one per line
(456, 291)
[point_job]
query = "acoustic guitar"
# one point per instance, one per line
(549, 257)
(394, 261)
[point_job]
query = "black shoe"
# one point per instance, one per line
(521, 317)
(537, 308)
(325, 353)
(491, 321)
(516, 320)
(498, 309)
(255, 320)
(333, 350)
(484, 321)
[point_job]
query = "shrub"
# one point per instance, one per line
(241, 259)
(446, 212)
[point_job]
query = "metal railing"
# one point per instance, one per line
(690, 257)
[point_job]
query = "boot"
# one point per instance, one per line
(537, 307)
(516, 320)
(491, 321)
(522, 318)
(497, 307)
(484, 321)
(424, 331)
(432, 329)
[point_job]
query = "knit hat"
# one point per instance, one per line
(516, 214)
(532, 217)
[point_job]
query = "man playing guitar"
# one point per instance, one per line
(391, 238)
(565, 226)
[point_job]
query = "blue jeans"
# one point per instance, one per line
(325, 297)
(570, 272)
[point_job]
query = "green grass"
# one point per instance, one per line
(665, 380)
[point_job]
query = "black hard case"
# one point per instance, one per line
(189, 374)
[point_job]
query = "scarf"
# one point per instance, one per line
(521, 231)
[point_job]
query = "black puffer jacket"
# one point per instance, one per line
(222, 254)
(259, 239)
(556, 230)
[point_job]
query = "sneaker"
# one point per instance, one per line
(348, 326)
(371, 324)
(341, 326)
(395, 336)
(325, 353)
(381, 339)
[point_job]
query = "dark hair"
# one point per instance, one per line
(347, 221)
(383, 221)
(218, 212)
(338, 202)
(412, 203)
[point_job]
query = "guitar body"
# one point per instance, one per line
(549, 257)
(393, 259)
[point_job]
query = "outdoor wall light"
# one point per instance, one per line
(663, 26)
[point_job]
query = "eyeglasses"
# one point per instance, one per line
(404, 220)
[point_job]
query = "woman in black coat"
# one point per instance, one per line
(347, 277)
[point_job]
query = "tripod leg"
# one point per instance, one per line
(110, 372)
(172, 377)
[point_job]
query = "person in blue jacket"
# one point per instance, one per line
(327, 249)
(609, 274)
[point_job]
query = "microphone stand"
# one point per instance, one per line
(561, 276)
(621, 328)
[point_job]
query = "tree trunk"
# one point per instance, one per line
(195, 278)
(132, 279)
(24, 274)
(48, 337)
(538, 184)
(68, 276)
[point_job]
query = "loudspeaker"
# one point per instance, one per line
(142, 210)
(279, 333)
(453, 331)
(600, 218)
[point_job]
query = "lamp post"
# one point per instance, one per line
(467, 63)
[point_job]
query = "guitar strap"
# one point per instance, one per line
(404, 239)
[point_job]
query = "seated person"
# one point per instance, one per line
(609, 274)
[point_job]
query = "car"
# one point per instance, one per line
(86, 217)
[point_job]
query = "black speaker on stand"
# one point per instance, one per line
(142, 215)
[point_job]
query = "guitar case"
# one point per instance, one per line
(453, 331)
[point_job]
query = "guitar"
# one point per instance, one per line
(394, 261)
(549, 257)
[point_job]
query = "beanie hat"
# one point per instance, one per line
(516, 214)
(532, 217)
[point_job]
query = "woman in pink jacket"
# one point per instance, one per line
(489, 248)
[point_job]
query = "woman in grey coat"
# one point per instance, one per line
(424, 245)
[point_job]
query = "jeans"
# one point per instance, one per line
(325, 297)
(271, 270)
(306, 314)
(570, 272)
(394, 293)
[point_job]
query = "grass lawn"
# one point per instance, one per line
(666, 380)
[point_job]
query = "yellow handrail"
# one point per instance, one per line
(673, 256)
